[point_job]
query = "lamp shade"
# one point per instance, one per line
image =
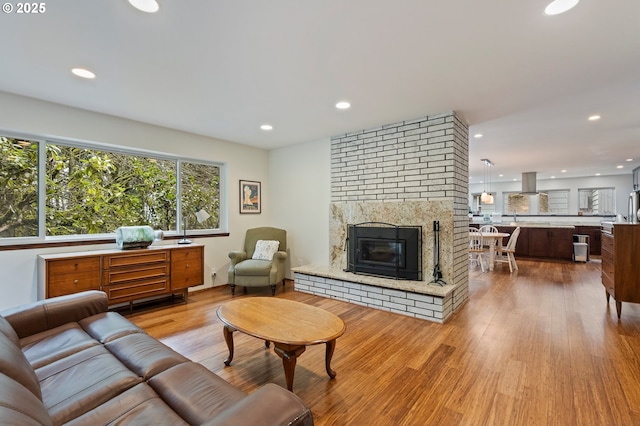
(202, 215)
(486, 198)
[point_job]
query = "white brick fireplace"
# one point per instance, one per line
(409, 173)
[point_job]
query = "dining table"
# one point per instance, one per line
(493, 238)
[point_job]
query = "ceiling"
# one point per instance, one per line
(525, 80)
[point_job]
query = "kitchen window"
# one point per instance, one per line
(597, 201)
(545, 202)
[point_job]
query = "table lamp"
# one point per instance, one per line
(201, 216)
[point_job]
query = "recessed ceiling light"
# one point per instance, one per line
(149, 6)
(595, 117)
(500, 175)
(620, 166)
(343, 105)
(478, 135)
(629, 159)
(557, 7)
(515, 180)
(266, 127)
(563, 171)
(83, 72)
(553, 177)
(597, 174)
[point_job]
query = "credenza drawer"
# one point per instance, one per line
(187, 268)
(121, 275)
(136, 290)
(138, 258)
(71, 266)
(59, 285)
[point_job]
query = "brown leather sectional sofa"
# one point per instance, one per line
(68, 360)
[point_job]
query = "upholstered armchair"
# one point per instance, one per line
(262, 261)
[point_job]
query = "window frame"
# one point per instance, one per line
(598, 188)
(44, 240)
(548, 191)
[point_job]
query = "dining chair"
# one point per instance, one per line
(507, 253)
(476, 248)
(490, 229)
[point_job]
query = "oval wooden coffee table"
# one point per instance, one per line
(290, 325)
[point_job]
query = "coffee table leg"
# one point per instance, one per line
(289, 355)
(228, 337)
(331, 346)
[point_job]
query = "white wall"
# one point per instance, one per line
(623, 184)
(33, 117)
(299, 176)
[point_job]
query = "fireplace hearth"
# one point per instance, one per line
(385, 250)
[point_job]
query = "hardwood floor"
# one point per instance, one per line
(537, 347)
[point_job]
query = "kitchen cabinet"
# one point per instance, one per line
(546, 242)
(554, 243)
(125, 275)
(620, 266)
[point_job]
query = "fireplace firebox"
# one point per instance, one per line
(385, 250)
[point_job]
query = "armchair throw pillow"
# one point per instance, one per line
(265, 249)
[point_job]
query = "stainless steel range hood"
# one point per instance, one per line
(529, 183)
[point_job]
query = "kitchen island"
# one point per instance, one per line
(547, 240)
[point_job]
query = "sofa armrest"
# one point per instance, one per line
(46, 314)
(280, 256)
(270, 405)
(237, 257)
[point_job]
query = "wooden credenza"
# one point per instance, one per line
(621, 263)
(125, 275)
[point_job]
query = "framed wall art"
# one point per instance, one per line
(250, 197)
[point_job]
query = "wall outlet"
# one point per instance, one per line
(214, 272)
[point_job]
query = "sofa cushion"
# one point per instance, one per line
(253, 267)
(56, 343)
(194, 392)
(139, 405)
(82, 381)
(269, 405)
(144, 355)
(107, 326)
(7, 330)
(44, 314)
(19, 406)
(14, 364)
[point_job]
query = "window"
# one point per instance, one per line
(200, 190)
(91, 189)
(515, 202)
(545, 202)
(598, 201)
(18, 188)
(554, 202)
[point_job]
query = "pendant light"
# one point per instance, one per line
(487, 197)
